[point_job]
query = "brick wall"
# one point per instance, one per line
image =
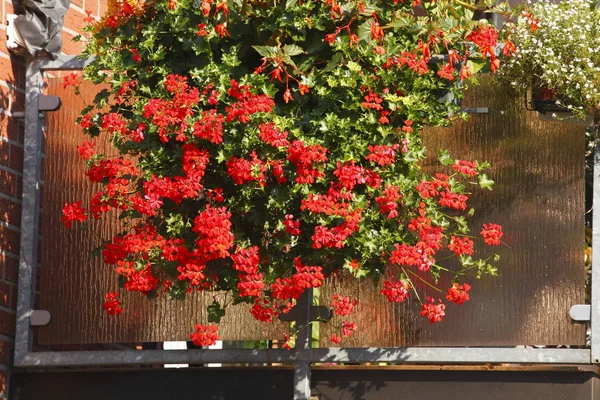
(12, 99)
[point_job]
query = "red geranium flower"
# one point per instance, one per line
(492, 233)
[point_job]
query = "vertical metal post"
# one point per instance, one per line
(30, 209)
(595, 300)
(303, 345)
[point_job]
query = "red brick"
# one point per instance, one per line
(13, 71)
(70, 47)
(75, 20)
(9, 128)
(5, 350)
(11, 269)
(3, 384)
(8, 9)
(78, 3)
(6, 127)
(9, 239)
(5, 294)
(11, 100)
(7, 323)
(92, 5)
(10, 212)
(4, 152)
(103, 8)
(3, 37)
(16, 158)
(8, 182)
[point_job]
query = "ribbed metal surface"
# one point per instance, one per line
(73, 283)
(538, 198)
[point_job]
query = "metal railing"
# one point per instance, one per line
(302, 356)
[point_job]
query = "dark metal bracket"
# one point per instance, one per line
(45, 103)
(39, 318)
(581, 313)
(315, 313)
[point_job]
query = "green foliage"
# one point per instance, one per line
(557, 53)
(352, 78)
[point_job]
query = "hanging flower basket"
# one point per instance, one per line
(263, 148)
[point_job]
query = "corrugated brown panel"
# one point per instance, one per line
(73, 282)
(538, 198)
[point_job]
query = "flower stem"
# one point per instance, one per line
(412, 286)
(425, 282)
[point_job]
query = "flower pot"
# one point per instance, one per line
(544, 100)
(546, 103)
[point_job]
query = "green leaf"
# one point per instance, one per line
(485, 182)
(476, 65)
(291, 50)
(335, 61)
(215, 312)
(97, 252)
(364, 30)
(290, 3)
(445, 158)
(356, 272)
(266, 51)
(501, 8)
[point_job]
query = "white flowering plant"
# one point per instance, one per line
(556, 48)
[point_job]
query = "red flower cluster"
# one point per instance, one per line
(248, 104)
(388, 201)
(411, 256)
(210, 127)
(468, 168)
(72, 79)
(335, 237)
(242, 170)
(348, 328)
(395, 291)
(343, 305)
(272, 135)
(492, 233)
(435, 312)
(204, 335)
(214, 234)
(446, 71)
(111, 304)
(382, 155)
(246, 260)
(433, 188)
(453, 200)
(306, 160)
(264, 311)
(458, 293)
(86, 150)
(193, 272)
(291, 225)
(307, 276)
(461, 246)
(73, 212)
(486, 38)
(142, 281)
(411, 60)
